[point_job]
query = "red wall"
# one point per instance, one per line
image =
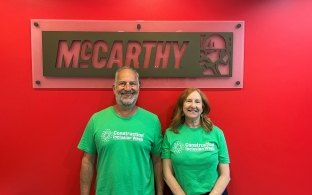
(265, 123)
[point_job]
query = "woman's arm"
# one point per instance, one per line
(222, 181)
(170, 179)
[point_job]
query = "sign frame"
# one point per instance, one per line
(38, 26)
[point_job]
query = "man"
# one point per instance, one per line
(124, 142)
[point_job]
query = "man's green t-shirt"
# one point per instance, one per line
(123, 147)
(195, 155)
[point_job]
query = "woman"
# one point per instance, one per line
(195, 155)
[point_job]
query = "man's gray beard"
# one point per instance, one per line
(128, 103)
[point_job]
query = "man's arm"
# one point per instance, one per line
(86, 173)
(158, 174)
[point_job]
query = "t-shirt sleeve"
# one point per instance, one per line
(158, 138)
(165, 148)
(223, 150)
(87, 143)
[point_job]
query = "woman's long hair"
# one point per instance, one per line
(178, 117)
